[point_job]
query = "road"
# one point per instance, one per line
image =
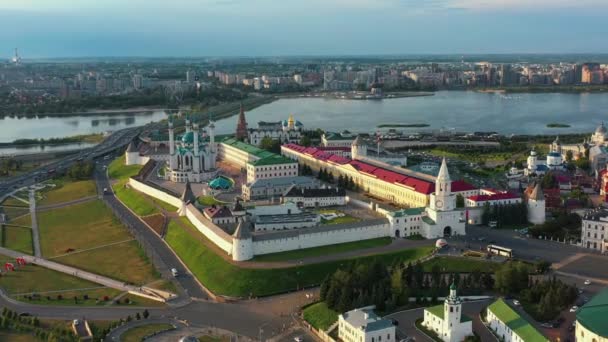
(114, 142)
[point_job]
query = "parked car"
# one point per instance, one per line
(574, 308)
(516, 302)
(298, 339)
(174, 272)
(587, 282)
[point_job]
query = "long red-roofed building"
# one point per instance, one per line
(397, 185)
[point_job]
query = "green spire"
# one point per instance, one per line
(453, 286)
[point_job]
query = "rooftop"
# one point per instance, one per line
(494, 197)
(250, 149)
(407, 212)
(308, 193)
(273, 160)
(515, 322)
(593, 314)
(366, 320)
(282, 181)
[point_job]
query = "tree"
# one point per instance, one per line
(569, 156)
(305, 141)
(549, 181)
(459, 201)
(146, 314)
(270, 144)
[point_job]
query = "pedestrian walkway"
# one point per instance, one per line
(153, 294)
(65, 204)
(35, 233)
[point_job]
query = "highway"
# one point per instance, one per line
(112, 143)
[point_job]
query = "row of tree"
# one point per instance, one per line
(563, 226)
(388, 288)
(80, 171)
(325, 175)
(505, 214)
(347, 183)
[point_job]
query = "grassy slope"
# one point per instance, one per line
(125, 262)
(224, 278)
(68, 191)
(320, 316)
(87, 225)
(324, 250)
(136, 201)
(138, 333)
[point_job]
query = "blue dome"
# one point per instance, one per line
(188, 138)
(221, 182)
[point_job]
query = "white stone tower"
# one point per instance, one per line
(131, 155)
(452, 313)
(442, 199)
(358, 148)
(532, 161)
(242, 243)
(536, 206)
(187, 197)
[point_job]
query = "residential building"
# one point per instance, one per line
(509, 326)
(594, 230)
(312, 198)
(364, 325)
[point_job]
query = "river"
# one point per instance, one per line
(465, 111)
(13, 128)
(31, 149)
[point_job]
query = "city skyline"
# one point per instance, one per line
(299, 28)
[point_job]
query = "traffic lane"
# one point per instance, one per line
(588, 266)
(299, 334)
(406, 326)
(168, 258)
(523, 248)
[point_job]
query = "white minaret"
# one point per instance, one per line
(536, 206)
(212, 147)
(452, 312)
(442, 199)
(172, 160)
(197, 159)
(188, 128)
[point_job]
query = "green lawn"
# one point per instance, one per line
(320, 316)
(338, 220)
(17, 337)
(17, 208)
(460, 264)
(224, 278)
(208, 201)
(118, 170)
(37, 279)
(125, 262)
(66, 190)
(138, 333)
(324, 250)
(80, 226)
(18, 239)
(135, 200)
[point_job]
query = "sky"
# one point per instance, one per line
(192, 28)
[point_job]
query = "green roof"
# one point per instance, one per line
(273, 160)
(407, 212)
(515, 322)
(436, 310)
(465, 318)
(250, 149)
(593, 314)
(428, 220)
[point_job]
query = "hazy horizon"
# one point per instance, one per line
(266, 28)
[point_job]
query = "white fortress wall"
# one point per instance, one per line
(273, 242)
(212, 232)
(156, 193)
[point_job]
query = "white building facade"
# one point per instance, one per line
(363, 325)
(594, 230)
(447, 320)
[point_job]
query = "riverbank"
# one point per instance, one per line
(567, 89)
(354, 95)
(92, 112)
(93, 138)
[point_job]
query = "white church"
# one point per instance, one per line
(447, 319)
(553, 162)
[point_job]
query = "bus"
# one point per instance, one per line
(502, 251)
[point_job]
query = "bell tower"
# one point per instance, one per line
(442, 199)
